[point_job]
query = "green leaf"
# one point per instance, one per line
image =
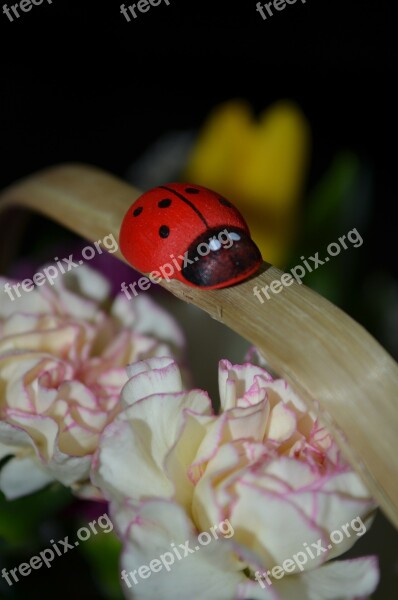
(329, 199)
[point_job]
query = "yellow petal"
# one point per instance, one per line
(259, 165)
(221, 145)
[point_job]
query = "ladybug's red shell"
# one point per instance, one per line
(168, 224)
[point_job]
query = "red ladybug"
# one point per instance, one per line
(187, 232)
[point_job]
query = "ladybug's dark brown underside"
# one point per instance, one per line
(225, 266)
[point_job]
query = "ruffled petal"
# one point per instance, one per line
(69, 469)
(342, 580)
(235, 380)
(21, 476)
(146, 431)
(153, 376)
(210, 569)
(148, 318)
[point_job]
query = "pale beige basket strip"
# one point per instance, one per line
(322, 352)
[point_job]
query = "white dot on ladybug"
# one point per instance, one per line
(214, 244)
(234, 236)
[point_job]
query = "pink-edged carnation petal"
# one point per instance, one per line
(63, 357)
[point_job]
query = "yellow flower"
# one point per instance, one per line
(259, 165)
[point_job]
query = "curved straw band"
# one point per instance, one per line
(324, 354)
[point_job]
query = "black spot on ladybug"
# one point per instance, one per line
(225, 202)
(192, 191)
(164, 231)
(164, 203)
(137, 211)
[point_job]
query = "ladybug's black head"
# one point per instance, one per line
(221, 257)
